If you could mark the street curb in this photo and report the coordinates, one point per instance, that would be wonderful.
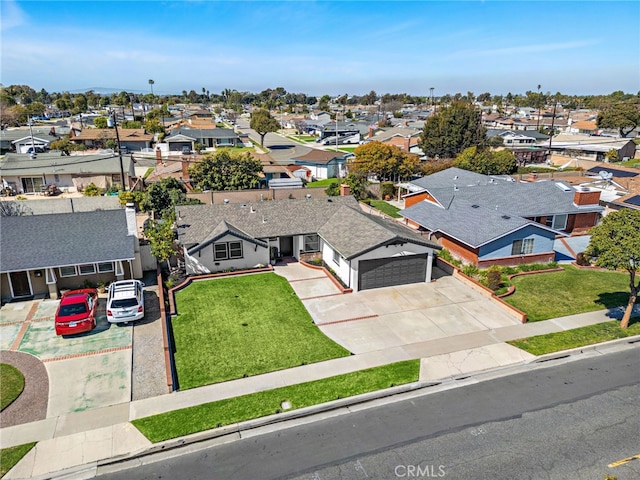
(122, 462)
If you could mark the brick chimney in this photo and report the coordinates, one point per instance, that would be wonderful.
(585, 196)
(158, 156)
(345, 190)
(370, 134)
(407, 144)
(185, 171)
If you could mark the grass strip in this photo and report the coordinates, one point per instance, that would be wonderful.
(577, 337)
(386, 208)
(323, 183)
(198, 418)
(11, 384)
(12, 455)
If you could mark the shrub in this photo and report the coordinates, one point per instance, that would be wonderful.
(582, 260)
(470, 270)
(92, 190)
(509, 270)
(494, 278)
(386, 189)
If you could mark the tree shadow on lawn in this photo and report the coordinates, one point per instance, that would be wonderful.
(616, 303)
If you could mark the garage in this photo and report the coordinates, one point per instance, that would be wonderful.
(387, 272)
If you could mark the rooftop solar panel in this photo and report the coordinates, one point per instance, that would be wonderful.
(635, 200)
(615, 171)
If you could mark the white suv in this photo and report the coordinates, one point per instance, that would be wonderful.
(125, 302)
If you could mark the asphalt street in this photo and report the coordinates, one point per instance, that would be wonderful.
(281, 149)
(566, 421)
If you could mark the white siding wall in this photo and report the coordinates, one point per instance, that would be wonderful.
(341, 270)
(202, 262)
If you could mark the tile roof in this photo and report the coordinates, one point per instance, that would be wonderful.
(126, 134)
(40, 241)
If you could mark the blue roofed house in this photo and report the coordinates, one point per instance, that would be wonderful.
(486, 220)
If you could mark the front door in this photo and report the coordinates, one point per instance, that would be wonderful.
(20, 284)
(286, 246)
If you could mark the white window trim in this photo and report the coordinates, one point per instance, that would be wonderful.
(229, 250)
(336, 257)
(75, 271)
(564, 225)
(216, 258)
(50, 276)
(111, 267)
(92, 265)
(119, 268)
(316, 240)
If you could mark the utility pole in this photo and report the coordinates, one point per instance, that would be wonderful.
(553, 121)
(115, 125)
(539, 108)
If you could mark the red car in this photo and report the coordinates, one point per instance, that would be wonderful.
(77, 311)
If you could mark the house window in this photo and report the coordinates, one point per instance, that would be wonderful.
(32, 184)
(235, 249)
(116, 179)
(87, 269)
(105, 267)
(522, 247)
(220, 251)
(557, 222)
(68, 271)
(311, 243)
(227, 251)
(336, 257)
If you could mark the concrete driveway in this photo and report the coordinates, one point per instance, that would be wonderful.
(86, 371)
(390, 317)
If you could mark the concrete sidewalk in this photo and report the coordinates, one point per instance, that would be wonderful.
(72, 440)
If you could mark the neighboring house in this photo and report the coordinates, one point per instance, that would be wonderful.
(29, 144)
(365, 251)
(488, 220)
(208, 138)
(71, 173)
(299, 172)
(583, 127)
(324, 164)
(527, 146)
(11, 140)
(135, 139)
(592, 147)
(42, 254)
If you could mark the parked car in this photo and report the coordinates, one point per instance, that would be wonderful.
(76, 312)
(125, 302)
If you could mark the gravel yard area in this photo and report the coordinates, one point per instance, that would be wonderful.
(31, 405)
(149, 378)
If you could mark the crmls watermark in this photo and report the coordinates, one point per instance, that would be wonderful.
(419, 471)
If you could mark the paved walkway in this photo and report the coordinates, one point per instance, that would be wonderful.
(70, 440)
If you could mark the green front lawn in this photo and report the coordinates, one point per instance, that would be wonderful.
(12, 455)
(558, 294)
(577, 337)
(385, 207)
(11, 384)
(323, 183)
(225, 412)
(241, 326)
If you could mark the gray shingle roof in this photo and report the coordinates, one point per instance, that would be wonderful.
(339, 220)
(222, 229)
(40, 241)
(353, 232)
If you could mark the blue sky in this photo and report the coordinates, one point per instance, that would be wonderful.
(323, 47)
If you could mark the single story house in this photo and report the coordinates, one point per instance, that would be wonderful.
(589, 147)
(208, 138)
(71, 173)
(324, 164)
(135, 139)
(365, 251)
(487, 220)
(12, 139)
(41, 254)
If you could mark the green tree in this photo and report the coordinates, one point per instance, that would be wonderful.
(161, 197)
(386, 162)
(263, 123)
(451, 130)
(615, 245)
(153, 125)
(357, 185)
(92, 190)
(66, 146)
(225, 170)
(131, 124)
(621, 116)
(487, 162)
(100, 122)
(162, 237)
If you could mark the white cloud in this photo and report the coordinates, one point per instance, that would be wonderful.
(524, 49)
(12, 16)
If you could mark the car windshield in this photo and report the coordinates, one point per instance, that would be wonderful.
(124, 303)
(72, 309)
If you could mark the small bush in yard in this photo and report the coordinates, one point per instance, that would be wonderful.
(582, 260)
(470, 270)
(494, 278)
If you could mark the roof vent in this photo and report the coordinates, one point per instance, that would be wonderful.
(475, 206)
(226, 200)
(455, 188)
(244, 205)
(308, 196)
(506, 217)
(563, 187)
